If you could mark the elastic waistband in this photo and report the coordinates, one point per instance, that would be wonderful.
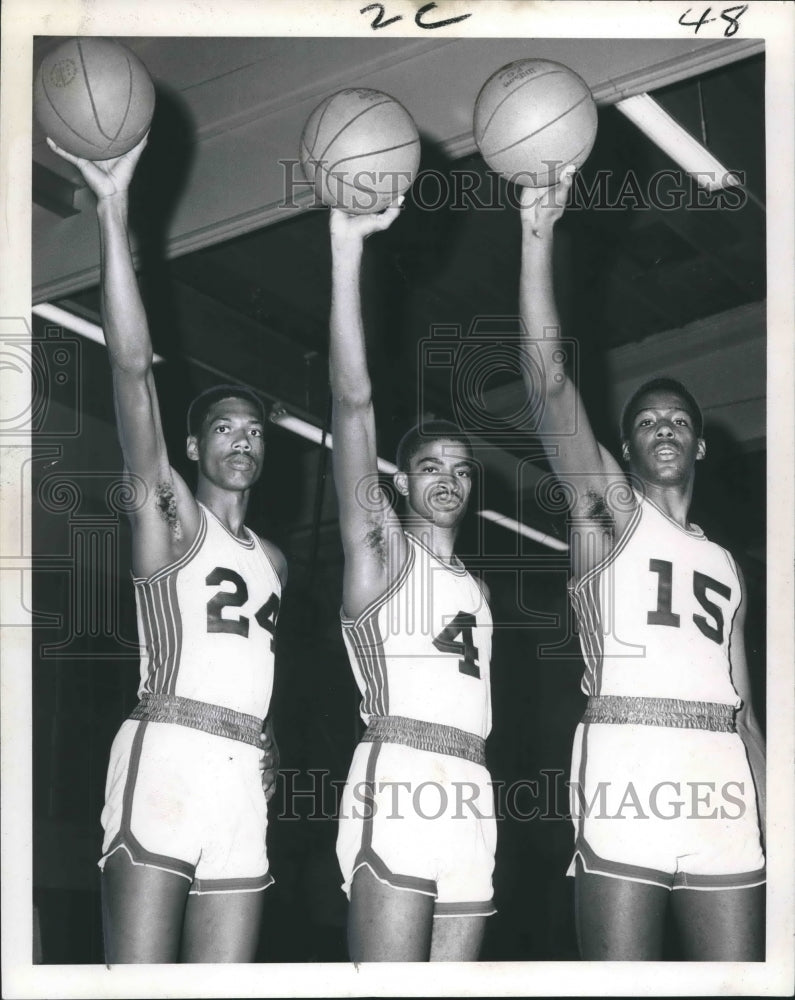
(431, 736)
(213, 719)
(673, 712)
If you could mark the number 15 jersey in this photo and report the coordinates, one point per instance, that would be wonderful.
(207, 621)
(655, 616)
(423, 648)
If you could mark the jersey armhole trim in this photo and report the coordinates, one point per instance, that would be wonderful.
(180, 563)
(575, 585)
(391, 590)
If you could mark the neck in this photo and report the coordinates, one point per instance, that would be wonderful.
(227, 505)
(441, 541)
(674, 501)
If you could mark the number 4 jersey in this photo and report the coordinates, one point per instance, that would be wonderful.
(423, 648)
(207, 622)
(655, 616)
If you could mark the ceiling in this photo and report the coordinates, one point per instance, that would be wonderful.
(237, 283)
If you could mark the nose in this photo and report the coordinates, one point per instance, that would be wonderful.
(242, 443)
(664, 430)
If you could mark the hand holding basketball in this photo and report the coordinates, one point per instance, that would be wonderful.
(542, 207)
(105, 178)
(345, 227)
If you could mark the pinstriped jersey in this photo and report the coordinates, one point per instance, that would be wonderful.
(655, 616)
(423, 648)
(206, 622)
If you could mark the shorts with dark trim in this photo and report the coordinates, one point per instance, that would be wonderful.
(422, 822)
(665, 806)
(187, 802)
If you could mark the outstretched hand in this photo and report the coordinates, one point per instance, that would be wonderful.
(542, 207)
(106, 178)
(356, 228)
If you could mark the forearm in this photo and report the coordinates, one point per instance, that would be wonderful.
(123, 316)
(538, 309)
(349, 377)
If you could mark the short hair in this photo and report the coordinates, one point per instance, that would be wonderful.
(427, 430)
(662, 384)
(200, 406)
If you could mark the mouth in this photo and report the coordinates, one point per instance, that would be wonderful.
(241, 462)
(666, 451)
(446, 498)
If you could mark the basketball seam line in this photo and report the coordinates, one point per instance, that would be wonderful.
(64, 121)
(364, 111)
(102, 132)
(532, 79)
(499, 152)
(372, 152)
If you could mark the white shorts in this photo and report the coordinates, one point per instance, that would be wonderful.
(422, 822)
(187, 802)
(667, 806)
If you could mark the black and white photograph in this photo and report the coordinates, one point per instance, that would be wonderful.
(393, 566)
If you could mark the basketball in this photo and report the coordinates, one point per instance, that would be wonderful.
(93, 97)
(532, 118)
(360, 150)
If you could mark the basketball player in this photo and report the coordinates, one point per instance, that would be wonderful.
(417, 830)
(185, 813)
(668, 772)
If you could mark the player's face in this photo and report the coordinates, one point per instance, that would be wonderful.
(663, 446)
(439, 481)
(230, 447)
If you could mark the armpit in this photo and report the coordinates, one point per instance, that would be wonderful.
(166, 503)
(594, 507)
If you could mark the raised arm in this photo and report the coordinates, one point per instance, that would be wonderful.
(372, 539)
(165, 524)
(580, 462)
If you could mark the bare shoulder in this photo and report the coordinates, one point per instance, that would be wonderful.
(276, 557)
(165, 520)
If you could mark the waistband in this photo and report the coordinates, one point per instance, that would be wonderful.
(213, 719)
(673, 712)
(431, 736)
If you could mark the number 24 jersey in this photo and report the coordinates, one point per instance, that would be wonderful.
(655, 616)
(207, 622)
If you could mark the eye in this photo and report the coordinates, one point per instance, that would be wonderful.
(221, 428)
(681, 420)
(256, 432)
(465, 473)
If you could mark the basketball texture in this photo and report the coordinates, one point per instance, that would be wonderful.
(360, 149)
(93, 97)
(532, 118)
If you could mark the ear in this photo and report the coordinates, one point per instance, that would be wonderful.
(701, 451)
(401, 481)
(192, 448)
(625, 450)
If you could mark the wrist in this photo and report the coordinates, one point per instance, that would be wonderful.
(113, 206)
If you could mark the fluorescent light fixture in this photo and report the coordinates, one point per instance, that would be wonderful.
(524, 530)
(314, 433)
(54, 314)
(663, 130)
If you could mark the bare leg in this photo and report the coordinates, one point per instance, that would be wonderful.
(457, 939)
(386, 924)
(618, 920)
(222, 927)
(142, 911)
(725, 925)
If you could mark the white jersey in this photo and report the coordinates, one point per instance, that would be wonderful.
(655, 616)
(207, 621)
(423, 648)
